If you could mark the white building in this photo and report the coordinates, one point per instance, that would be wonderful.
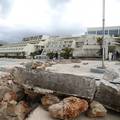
(23, 49)
(83, 46)
(109, 31)
(16, 50)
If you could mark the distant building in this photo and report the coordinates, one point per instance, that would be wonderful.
(19, 50)
(83, 46)
(111, 31)
(24, 48)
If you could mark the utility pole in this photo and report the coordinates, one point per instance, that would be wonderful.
(103, 42)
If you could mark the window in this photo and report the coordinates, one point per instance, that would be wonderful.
(113, 32)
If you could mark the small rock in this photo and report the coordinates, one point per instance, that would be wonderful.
(3, 90)
(96, 110)
(49, 100)
(42, 67)
(76, 66)
(9, 96)
(69, 108)
(85, 63)
(22, 109)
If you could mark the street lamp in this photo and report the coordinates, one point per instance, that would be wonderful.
(103, 42)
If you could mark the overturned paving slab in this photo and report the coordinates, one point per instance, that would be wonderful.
(109, 95)
(80, 86)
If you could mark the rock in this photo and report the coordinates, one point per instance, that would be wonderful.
(69, 108)
(3, 90)
(109, 95)
(22, 109)
(42, 67)
(76, 66)
(85, 63)
(75, 60)
(110, 75)
(80, 86)
(96, 110)
(7, 110)
(9, 96)
(49, 100)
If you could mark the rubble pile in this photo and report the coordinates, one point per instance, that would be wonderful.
(38, 65)
(25, 89)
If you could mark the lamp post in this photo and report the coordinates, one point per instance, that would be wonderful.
(103, 42)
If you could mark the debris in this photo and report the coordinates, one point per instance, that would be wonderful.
(96, 110)
(22, 109)
(76, 66)
(3, 90)
(49, 100)
(80, 86)
(110, 75)
(69, 108)
(109, 95)
(9, 96)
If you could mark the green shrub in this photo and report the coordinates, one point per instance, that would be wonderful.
(66, 53)
(51, 55)
(111, 48)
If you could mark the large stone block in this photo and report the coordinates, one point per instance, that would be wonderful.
(109, 95)
(80, 86)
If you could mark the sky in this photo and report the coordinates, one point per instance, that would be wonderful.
(22, 18)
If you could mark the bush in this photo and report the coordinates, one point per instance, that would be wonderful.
(111, 48)
(66, 53)
(51, 55)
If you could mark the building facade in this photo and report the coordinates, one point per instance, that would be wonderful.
(83, 46)
(24, 48)
(109, 31)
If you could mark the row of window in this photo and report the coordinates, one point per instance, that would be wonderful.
(115, 32)
(11, 48)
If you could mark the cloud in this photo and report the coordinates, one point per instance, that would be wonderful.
(5, 7)
(54, 17)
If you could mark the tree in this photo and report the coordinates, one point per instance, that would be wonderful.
(100, 41)
(66, 53)
(51, 55)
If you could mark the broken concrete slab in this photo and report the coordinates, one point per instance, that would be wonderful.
(109, 95)
(110, 75)
(80, 86)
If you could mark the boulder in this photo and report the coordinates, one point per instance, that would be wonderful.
(69, 108)
(110, 75)
(80, 86)
(96, 110)
(109, 95)
(49, 100)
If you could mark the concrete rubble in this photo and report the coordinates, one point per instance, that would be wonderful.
(110, 75)
(81, 86)
(49, 100)
(69, 108)
(96, 110)
(109, 95)
(65, 96)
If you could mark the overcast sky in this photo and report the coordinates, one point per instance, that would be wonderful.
(20, 18)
